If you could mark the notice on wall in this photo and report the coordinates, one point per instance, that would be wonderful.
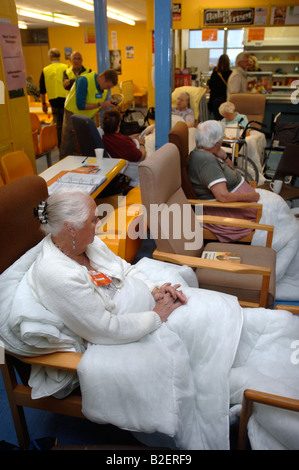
(10, 39)
(15, 72)
(256, 34)
(209, 34)
(13, 60)
(260, 16)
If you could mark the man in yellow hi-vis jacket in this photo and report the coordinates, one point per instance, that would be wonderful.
(74, 71)
(51, 83)
(88, 95)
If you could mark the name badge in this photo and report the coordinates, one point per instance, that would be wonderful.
(100, 279)
(98, 95)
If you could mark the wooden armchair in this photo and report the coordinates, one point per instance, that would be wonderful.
(161, 192)
(21, 231)
(179, 136)
(254, 396)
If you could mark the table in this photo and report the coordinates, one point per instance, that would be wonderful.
(110, 167)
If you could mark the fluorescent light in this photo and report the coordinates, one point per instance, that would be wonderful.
(35, 14)
(120, 17)
(22, 25)
(62, 19)
(80, 4)
(46, 16)
(88, 5)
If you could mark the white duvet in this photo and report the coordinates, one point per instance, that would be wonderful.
(276, 212)
(180, 380)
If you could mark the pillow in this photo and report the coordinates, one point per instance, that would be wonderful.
(195, 94)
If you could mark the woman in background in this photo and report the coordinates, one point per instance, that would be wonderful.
(218, 84)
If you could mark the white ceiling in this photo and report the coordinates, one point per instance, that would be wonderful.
(133, 8)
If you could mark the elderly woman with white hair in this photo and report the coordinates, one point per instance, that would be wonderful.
(255, 140)
(231, 118)
(183, 109)
(213, 177)
(79, 279)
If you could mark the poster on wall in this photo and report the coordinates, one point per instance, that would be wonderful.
(129, 52)
(115, 60)
(229, 16)
(13, 60)
(89, 35)
(176, 12)
(284, 15)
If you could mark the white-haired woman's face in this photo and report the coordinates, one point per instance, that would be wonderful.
(86, 234)
(228, 116)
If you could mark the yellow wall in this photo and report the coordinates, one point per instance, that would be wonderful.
(132, 69)
(15, 128)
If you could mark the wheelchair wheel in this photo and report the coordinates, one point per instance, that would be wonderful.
(251, 172)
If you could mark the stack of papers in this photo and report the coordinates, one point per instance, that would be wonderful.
(87, 177)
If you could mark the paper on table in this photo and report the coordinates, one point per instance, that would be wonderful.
(89, 181)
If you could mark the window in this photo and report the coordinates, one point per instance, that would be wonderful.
(228, 42)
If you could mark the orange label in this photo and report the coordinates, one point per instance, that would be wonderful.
(100, 279)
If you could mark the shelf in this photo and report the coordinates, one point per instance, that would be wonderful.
(289, 62)
(265, 51)
(285, 75)
(282, 87)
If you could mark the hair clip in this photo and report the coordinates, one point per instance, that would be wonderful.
(40, 212)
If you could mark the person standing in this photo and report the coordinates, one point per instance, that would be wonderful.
(88, 96)
(74, 71)
(237, 82)
(218, 85)
(51, 83)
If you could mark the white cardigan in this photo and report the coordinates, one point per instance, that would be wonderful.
(65, 288)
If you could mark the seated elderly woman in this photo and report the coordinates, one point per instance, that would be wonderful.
(131, 148)
(154, 358)
(213, 177)
(232, 119)
(255, 140)
(183, 109)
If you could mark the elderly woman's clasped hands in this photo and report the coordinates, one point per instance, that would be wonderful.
(168, 298)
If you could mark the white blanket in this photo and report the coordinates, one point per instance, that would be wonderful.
(177, 380)
(276, 212)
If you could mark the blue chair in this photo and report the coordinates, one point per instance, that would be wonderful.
(87, 135)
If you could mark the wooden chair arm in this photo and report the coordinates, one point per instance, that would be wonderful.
(251, 396)
(290, 308)
(225, 266)
(232, 222)
(230, 205)
(59, 360)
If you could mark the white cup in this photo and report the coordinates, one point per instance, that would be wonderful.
(276, 186)
(99, 155)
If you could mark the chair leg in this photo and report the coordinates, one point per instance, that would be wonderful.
(49, 159)
(18, 416)
(247, 407)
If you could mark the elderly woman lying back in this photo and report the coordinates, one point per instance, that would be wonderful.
(155, 351)
(88, 279)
